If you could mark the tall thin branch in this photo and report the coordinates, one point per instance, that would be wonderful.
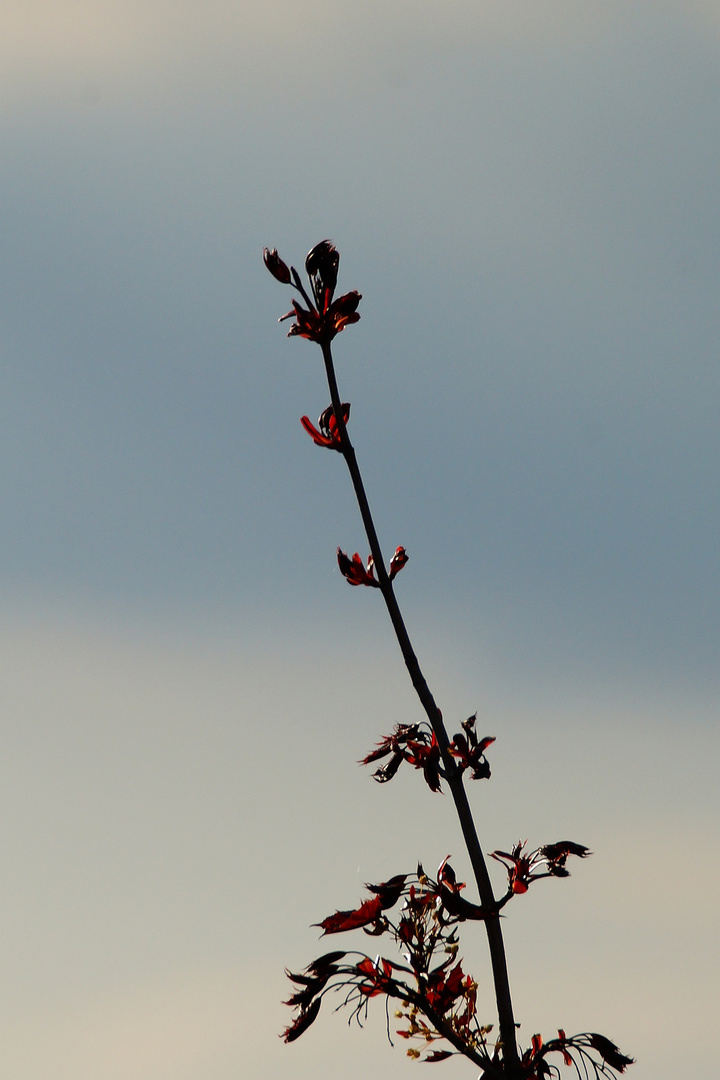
(453, 775)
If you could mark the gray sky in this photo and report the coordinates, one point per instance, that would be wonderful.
(526, 195)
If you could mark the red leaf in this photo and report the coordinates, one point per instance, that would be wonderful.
(301, 1022)
(562, 849)
(382, 750)
(609, 1052)
(353, 570)
(389, 892)
(386, 772)
(317, 437)
(351, 920)
(325, 961)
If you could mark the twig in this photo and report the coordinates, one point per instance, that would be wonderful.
(452, 773)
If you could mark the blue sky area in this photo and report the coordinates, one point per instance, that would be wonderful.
(526, 194)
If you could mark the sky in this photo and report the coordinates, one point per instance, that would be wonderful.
(526, 195)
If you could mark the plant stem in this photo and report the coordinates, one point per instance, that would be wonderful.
(452, 773)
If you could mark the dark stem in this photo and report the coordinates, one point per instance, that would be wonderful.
(297, 282)
(480, 1058)
(453, 775)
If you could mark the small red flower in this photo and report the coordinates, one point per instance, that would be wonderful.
(328, 435)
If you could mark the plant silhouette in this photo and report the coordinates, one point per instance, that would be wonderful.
(422, 915)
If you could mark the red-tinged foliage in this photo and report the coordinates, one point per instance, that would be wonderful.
(447, 878)
(576, 1052)
(353, 570)
(556, 855)
(314, 979)
(562, 1039)
(412, 743)
(326, 961)
(469, 751)
(328, 434)
(453, 903)
(386, 895)
(386, 772)
(312, 987)
(395, 744)
(549, 861)
(399, 559)
(443, 988)
(344, 311)
(389, 892)
(391, 744)
(368, 912)
(457, 907)
(378, 974)
(319, 328)
(301, 1022)
(609, 1052)
(322, 319)
(438, 1000)
(518, 867)
(322, 328)
(426, 757)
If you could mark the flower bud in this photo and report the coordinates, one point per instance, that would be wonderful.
(399, 559)
(322, 269)
(276, 266)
